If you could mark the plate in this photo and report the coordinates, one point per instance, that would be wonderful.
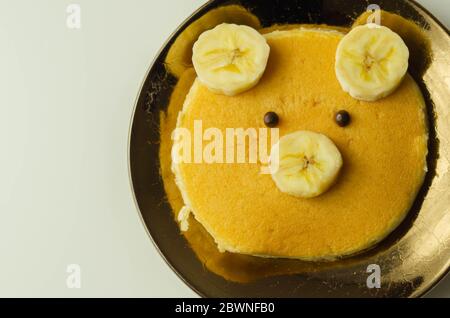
(411, 260)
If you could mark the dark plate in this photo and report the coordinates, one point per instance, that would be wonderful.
(413, 259)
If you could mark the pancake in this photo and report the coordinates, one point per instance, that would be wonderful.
(384, 151)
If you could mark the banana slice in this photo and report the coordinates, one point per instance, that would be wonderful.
(230, 58)
(371, 62)
(305, 164)
(179, 56)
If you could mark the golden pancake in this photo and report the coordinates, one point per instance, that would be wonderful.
(384, 151)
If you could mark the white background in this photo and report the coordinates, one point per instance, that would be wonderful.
(66, 99)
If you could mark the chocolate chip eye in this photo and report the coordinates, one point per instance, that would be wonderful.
(271, 119)
(342, 118)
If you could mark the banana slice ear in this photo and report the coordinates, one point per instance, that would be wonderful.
(416, 40)
(230, 58)
(371, 62)
(179, 57)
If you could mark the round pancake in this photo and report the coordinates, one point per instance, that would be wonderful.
(384, 151)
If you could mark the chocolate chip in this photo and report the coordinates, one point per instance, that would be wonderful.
(342, 118)
(271, 119)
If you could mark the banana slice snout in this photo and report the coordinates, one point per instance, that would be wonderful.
(371, 61)
(305, 164)
(230, 58)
